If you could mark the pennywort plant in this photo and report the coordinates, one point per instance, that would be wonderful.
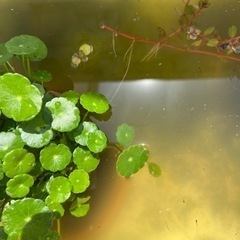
(50, 145)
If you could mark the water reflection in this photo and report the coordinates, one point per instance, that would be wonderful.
(192, 129)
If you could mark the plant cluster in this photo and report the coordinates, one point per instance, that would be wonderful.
(203, 41)
(50, 145)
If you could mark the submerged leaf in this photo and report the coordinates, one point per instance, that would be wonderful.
(94, 102)
(212, 42)
(209, 31)
(25, 98)
(154, 169)
(41, 76)
(131, 160)
(232, 31)
(66, 115)
(125, 134)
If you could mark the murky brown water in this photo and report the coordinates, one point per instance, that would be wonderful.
(186, 108)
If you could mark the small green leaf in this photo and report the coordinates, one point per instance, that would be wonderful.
(125, 134)
(209, 31)
(55, 157)
(81, 210)
(66, 115)
(5, 56)
(197, 43)
(80, 180)
(18, 161)
(41, 76)
(94, 102)
(154, 169)
(79, 207)
(36, 133)
(8, 142)
(189, 9)
(131, 160)
(25, 99)
(18, 187)
(60, 189)
(55, 206)
(71, 95)
(212, 42)
(85, 160)
(97, 141)
(232, 31)
(20, 213)
(81, 133)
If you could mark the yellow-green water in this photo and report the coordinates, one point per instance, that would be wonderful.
(185, 107)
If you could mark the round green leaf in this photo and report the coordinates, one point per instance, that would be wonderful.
(154, 169)
(36, 133)
(55, 206)
(125, 134)
(41, 76)
(80, 180)
(80, 210)
(8, 142)
(18, 161)
(94, 102)
(5, 56)
(20, 100)
(85, 160)
(71, 95)
(20, 213)
(66, 115)
(131, 160)
(22, 45)
(81, 133)
(55, 157)
(97, 141)
(18, 187)
(60, 189)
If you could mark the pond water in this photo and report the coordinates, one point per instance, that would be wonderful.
(184, 106)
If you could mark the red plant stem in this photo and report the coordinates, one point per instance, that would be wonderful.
(163, 44)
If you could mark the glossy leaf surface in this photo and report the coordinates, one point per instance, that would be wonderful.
(125, 134)
(94, 102)
(80, 180)
(66, 115)
(55, 157)
(25, 99)
(18, 187)
(18, 161)
(131, 160)
(85, 160)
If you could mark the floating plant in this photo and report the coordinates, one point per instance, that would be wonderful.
(50, 145)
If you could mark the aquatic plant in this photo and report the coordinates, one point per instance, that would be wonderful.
(206, 41)
(50, 146)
